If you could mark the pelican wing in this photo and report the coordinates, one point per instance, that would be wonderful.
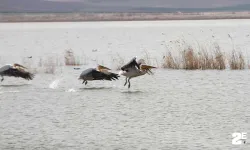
(4, 68)
(97, 75)
(132, 63)
(16, 72)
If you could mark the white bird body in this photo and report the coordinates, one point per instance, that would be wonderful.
(134, 69)
(132, 72)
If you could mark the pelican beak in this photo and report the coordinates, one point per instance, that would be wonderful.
(103, 67)
(20, 66)
(146, 67)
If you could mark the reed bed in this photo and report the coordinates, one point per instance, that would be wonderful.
(237, 61)
(49, 64)
(70, 59)
(190, 59)
(181, 57)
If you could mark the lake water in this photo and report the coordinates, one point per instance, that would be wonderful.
(173, 109)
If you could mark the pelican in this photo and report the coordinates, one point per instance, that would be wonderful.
(135, 69)
(98, 73)
(15, 70)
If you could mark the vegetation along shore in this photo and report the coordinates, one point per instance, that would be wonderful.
(73, 17)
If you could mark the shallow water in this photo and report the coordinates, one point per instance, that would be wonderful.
(173, 109)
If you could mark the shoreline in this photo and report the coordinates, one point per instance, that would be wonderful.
(96, 17)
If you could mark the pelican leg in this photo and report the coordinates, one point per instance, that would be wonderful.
(83, 81)
(2, 79)
(86, 82)
(126, 81)
(151, 72)
(129, 82)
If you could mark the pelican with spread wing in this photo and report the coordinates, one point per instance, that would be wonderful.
(134, 69)
(98, 73)
(15, 70)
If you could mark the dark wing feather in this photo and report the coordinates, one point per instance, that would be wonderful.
(97, 75)
(130, 64)
(102, 76)
(86, 73)
(19, 73)
(114, 76)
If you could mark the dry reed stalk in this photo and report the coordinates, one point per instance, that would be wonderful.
(119, 61)
(192, 60)
(237, 61)
(170, 62)
(40, 63)
(70, 59)
(219, 60)
(206, 60)
(49, 65)
(149, 60)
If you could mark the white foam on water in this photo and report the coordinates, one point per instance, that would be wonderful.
(71, 90)
(54, 84)
(2, 92)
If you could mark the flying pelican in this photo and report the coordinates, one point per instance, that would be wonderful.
(134, 69)
(98, 73)
(15, 70)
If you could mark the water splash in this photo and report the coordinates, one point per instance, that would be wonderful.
(71, 90)
(54, 84)
(2, 92)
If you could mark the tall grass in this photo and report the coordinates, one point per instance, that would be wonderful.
(149, 60)
(219, 62)
(118, 61)
(70, 59)
(49, 65)
(189, 59)
(237, 61)
(171, 62)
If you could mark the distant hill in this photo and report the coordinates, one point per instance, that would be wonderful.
(49, 6)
